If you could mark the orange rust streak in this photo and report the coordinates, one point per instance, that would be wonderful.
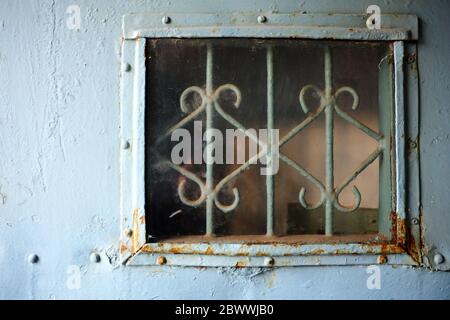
(123, 247)
(413, 250)
(135, 234)
(241, 264)
(293, 240)
(383, 249)
(209, 251)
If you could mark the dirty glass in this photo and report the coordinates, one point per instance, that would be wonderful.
(330, 101)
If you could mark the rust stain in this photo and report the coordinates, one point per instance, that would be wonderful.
(398, 229)
(161, 260)
(401, 232)
(374, 248)
(317, 251)
(135, 233)
(123, 247)
(377, 245)
(269, 279)
(382, 259)
(241, 264)
(414, 246)
(242, 254)
(175, 250)
(393, 218)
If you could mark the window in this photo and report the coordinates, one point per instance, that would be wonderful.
(336, 105)
(295, 72)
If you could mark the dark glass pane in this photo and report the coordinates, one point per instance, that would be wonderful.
(173, 65)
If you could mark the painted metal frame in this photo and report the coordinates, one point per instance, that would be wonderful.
(134, 247)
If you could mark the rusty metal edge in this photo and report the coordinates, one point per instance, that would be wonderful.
(313, 26)
(196, 260)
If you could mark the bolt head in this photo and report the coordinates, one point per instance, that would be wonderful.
(33, 258)
(127, 67)
(161, 260)
(382, 259)
(262, 19)
(438, 258)
(125, 144)
(166, 20)
(127, 232)
(95, 257)
(269, 261)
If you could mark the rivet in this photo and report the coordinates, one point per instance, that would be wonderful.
(127, 67)
(269, 261)
(127, 232)
(438, 258)
(415, 221)
(161, 260)
(382, 259)
(33, 258)
(95, 257)
(166, 20)
(262, 19)
(413, 145)
(125, 144)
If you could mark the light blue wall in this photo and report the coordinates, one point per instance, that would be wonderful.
(59, 160)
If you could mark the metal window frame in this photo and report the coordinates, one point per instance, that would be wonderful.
(134, 247)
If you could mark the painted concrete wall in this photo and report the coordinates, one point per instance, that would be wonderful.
(59, 161)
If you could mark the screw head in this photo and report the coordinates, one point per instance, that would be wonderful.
(262, 19)
(438, 258)
(128, 232)
(382, 259)
(127, 67)
(269, 261)
(95, 257)
(415, 221)
(161, 260)
(33, 258)
(166, 20)
(125, 144)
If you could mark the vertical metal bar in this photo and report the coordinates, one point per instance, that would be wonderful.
(413, 200)
(138, 149)
(386, 127)
(329, 162)
(209, 124)
(270, 124)
(399, 129)
(126, 157)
